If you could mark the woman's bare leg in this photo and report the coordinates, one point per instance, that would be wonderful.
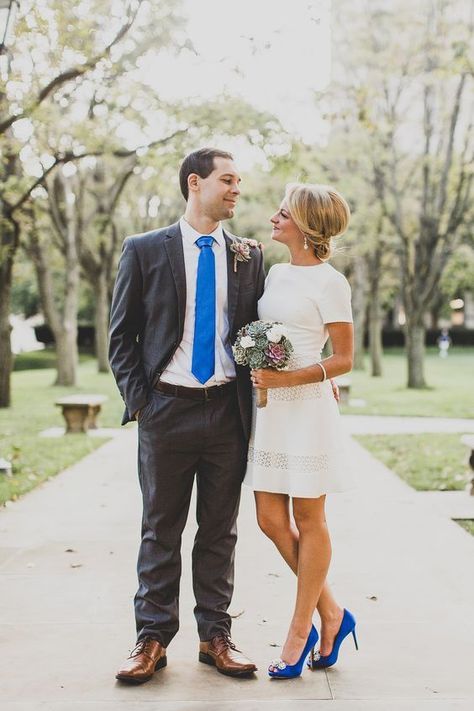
(331, 617)
(273, 515)
(314, 556)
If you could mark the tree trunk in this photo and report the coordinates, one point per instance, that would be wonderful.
(375, 310)
(435, 309)
(102, 323)
(67, 355)
(359, 306)
(66, 336)
(63, 322)
(375, 336)
(9, 240)
(63, 325)
(6, 360)
(415, 347)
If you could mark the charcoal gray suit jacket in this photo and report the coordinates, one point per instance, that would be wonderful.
(148, 308)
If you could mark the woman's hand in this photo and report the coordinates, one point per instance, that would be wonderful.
(335, 390)
(270, 378)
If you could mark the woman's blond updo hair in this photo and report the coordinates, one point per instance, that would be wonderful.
(320, 212)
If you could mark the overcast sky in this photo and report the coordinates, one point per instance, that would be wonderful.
(274, 53)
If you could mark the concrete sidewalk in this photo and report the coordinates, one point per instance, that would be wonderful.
(67, 567)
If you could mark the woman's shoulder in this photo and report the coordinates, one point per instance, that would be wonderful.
(275, 269)
(276, 266)
(336, 277)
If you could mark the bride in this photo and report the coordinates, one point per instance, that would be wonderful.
(296, 446)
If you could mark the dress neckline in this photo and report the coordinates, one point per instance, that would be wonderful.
(305, 266)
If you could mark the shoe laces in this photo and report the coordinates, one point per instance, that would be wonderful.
(141, 647)
(226, 639)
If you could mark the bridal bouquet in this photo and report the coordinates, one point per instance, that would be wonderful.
(262, 344)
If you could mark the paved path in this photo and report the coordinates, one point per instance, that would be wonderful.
(67, 578)
(374, 424)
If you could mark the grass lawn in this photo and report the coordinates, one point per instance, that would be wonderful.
(41, 359)
(35, 458)
(467, 524)
(450, 392)
(425, 461)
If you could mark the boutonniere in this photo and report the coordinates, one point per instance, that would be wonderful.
(241, 250)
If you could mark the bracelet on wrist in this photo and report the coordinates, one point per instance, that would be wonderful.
(324, 372)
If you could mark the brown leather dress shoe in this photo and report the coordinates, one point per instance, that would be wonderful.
(147, 657)
(221, 652)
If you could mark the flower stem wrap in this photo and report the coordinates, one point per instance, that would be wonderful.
(262, 394)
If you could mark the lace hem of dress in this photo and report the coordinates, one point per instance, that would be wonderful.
(303, 463)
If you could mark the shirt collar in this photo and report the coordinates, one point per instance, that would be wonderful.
(190, 235)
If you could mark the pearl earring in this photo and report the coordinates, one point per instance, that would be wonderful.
(305, 246)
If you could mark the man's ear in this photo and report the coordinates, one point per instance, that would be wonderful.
(193, 182)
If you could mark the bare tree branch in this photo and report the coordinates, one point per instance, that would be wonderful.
(73, 72)
(70, 157)
(442, 196)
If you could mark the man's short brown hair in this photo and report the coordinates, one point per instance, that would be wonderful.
(200, 162)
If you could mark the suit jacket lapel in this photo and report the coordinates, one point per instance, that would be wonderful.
(232, 283)
(174, 248)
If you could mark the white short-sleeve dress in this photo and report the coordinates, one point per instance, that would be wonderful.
(297, 446)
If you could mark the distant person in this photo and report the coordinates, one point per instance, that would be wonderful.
(296, 446)
(444, 341)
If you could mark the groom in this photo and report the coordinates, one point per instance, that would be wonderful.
(181, 294)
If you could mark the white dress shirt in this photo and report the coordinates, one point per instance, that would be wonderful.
(178, 370)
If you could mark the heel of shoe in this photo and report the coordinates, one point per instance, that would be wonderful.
(162, 662)
(206, 659)
(355, 639)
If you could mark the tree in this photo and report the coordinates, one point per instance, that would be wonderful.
(408, 86)
(99, 243)
(63, 61)
(62, 317)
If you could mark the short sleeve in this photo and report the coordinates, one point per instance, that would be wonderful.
(334, 301)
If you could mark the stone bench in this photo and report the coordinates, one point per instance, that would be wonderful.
(5, 467)
(80, 411)
(468, 440)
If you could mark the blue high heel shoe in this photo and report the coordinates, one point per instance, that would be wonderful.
(280, 670)
(348, 624)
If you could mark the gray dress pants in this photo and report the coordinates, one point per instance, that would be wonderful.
(180, 439)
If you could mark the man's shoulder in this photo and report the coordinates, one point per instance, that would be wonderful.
(152, 237)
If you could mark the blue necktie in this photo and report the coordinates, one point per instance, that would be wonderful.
(205, 313)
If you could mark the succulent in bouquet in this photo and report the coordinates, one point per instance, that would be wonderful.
(262, 344)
